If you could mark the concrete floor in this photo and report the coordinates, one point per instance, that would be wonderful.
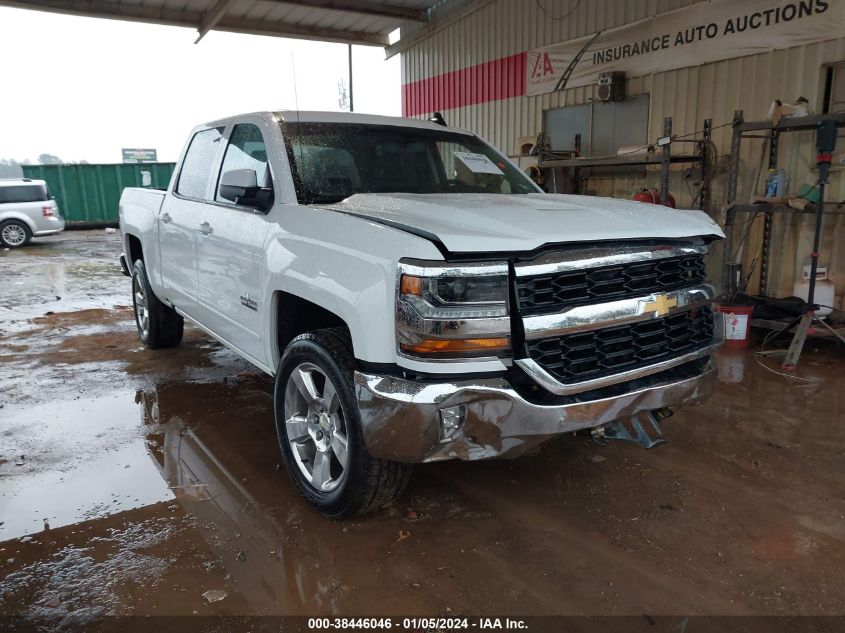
(133, 481)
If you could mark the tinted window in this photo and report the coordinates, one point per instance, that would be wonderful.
(246, 150)
(336, 160)
(24, 193)
(198, 164)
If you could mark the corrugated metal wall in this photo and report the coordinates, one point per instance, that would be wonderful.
(90, 193)
(689, 95)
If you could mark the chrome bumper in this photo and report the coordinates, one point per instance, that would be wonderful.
(401, 418)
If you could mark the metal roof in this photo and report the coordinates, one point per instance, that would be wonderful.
(346, 21)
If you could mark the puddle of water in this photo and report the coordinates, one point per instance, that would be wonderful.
(81, 459)
(75, 271)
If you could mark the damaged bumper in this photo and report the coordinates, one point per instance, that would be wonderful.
(401, 419)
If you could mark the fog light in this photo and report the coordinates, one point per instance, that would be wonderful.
(451, 421)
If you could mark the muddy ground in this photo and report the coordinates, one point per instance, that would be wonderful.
(134, 481)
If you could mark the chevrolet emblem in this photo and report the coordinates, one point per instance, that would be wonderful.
(661, 305)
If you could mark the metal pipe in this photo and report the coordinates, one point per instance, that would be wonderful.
(351, 106)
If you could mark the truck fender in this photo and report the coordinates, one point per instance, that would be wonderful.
(352, 277)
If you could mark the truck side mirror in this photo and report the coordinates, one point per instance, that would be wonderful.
(239, 183)
(241, 187)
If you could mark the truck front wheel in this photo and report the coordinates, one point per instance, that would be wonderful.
(158, 325)
(319, 429)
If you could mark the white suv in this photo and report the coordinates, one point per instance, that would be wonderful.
(27, 209)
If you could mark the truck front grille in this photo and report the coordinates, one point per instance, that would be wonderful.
(558, 291)
(580, 356)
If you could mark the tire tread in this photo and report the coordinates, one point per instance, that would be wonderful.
(166, 325)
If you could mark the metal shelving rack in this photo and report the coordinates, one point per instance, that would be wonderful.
(665, 158)
(743, 129)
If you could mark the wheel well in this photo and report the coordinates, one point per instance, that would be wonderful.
(297, 316)
(135, 250)
(23, 220)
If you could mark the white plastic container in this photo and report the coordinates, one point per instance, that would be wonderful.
(825, 293)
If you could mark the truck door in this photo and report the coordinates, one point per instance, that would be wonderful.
(181, 219)
(231, 251)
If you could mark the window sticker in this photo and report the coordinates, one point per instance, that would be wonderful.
(478, 163)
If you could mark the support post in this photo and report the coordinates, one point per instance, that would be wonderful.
(665, 162)
(766, 247)
(730, 215)
(704, 194)
(351, 102)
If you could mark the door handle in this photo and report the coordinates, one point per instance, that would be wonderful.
(165, 217)
(205, 228)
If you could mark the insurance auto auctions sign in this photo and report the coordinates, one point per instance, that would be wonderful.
(701, 33)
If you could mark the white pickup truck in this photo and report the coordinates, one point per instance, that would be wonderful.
(416, 296)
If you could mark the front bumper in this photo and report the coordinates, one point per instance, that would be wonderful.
(401, 418)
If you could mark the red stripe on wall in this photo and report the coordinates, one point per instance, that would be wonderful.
(491, 81)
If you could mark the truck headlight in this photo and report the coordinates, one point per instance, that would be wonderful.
(451, 311)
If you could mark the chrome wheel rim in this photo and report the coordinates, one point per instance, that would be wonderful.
(142, 310)
(315, 427)
(14, 234)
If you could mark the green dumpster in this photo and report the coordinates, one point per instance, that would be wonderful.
(89, 194)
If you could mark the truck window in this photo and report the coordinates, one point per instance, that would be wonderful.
(333, 161)
(24, 193)
(198, 164)
(246, 150)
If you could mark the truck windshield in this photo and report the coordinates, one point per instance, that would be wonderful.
(333, 161)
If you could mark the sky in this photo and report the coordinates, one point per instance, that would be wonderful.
(83, 88)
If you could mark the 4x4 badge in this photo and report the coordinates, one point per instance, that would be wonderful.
(249, 302)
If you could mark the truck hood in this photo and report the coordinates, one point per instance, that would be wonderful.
(467, 223)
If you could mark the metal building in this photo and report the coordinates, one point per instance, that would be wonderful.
(476, 68)
(497, 67)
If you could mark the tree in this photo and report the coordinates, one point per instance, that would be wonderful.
(10, 168)
(49, 159)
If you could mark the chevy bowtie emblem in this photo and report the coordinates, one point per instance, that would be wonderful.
(661, 305)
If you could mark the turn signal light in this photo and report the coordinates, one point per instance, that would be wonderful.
(452, 346)
(411, 285)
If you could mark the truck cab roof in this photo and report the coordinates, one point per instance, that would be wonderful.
(316, 116)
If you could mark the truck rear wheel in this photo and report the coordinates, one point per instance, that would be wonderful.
(319, 430)
(158, 325)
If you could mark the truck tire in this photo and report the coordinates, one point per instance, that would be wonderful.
(14, 234)
(319, 429)
(158, 325)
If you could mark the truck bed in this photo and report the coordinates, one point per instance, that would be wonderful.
(140, 206)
